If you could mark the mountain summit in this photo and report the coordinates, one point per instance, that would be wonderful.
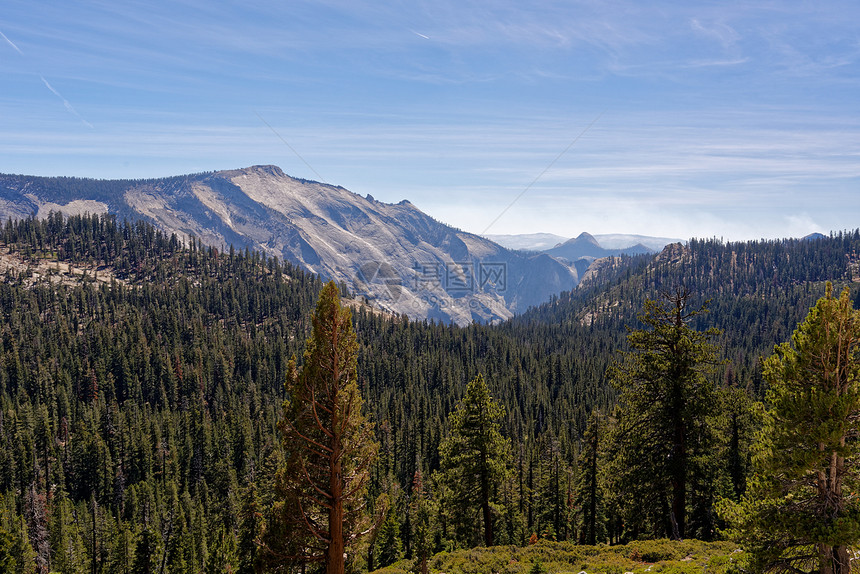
(395, 256)
(586, 246)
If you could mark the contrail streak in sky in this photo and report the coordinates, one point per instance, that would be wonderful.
(11, 43)
(65, 102)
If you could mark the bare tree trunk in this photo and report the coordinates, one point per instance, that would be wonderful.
(679, 482)
(833, 559)
(591, 519)
(335, 560)
(841, 560)
(488, 515)
(485, 502)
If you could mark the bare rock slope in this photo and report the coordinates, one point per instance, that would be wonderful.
(398, 258)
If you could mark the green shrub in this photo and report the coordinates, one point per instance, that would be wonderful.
(548, 557)
(656, 550)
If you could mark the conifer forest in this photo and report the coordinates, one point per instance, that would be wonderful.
(168, 407)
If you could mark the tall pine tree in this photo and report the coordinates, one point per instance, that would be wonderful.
(329, 448)
(589, 487)
(475, 461)
(662, 429)
(421, 516)
(801, 512)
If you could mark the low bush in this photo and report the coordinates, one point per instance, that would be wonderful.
(651, 556)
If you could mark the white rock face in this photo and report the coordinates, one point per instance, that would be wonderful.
(393, 255)
(76, 207)
(396, 256)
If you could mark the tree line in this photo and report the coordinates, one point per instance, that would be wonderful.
(140, 414)
(658, 471)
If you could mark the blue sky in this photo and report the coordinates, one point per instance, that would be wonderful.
(686, 119)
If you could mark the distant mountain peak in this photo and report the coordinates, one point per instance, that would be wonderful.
(584, 237)
(813, 236)
(616, 242)
(586, 246)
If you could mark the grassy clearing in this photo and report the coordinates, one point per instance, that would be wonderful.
(664, 556)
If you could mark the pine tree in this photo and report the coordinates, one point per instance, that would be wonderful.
(801, 512)
(37, 518)
(223, 556)
(740, 426)
(329, 448)
(249, 525)
(147, 552)
(421, 516)
(7, 560)
(662, 429)
(388, 542)
(475, 461)
(25, 555)
(589, 487)
(67, 552)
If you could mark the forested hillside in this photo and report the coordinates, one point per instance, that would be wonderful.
(138, 398)
(142, 383)
(758, 291)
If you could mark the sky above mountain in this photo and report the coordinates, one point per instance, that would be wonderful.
(685, 119)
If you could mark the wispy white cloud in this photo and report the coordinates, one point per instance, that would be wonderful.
(719, 115)
(723, 33)
(716, 63)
